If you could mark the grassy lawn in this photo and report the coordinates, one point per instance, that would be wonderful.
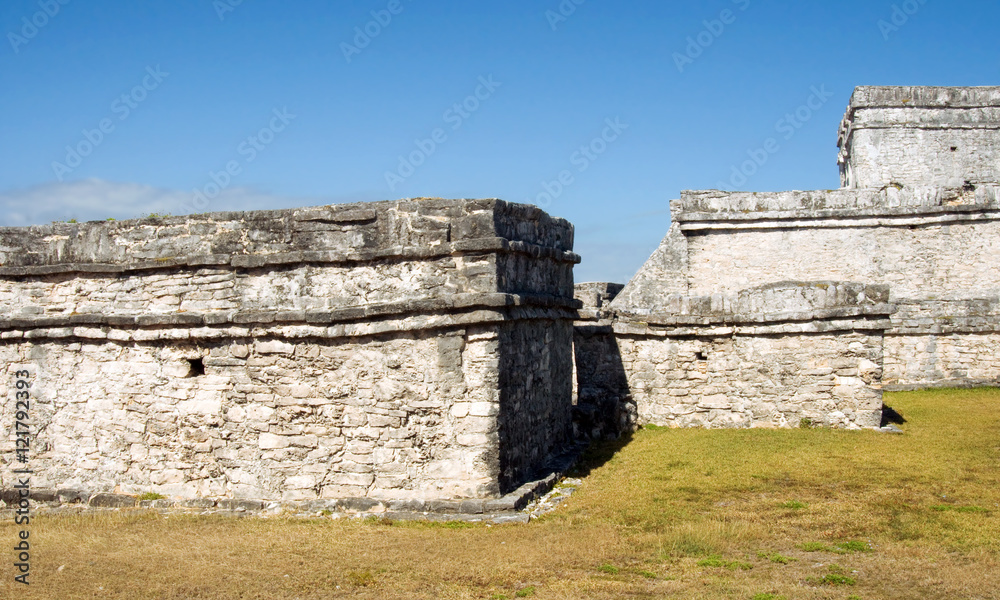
(752, 514)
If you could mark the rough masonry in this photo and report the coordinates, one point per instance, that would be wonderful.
(910, 243)
(406, 350)
(434, 352)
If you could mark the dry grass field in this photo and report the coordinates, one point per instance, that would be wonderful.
(753, 514)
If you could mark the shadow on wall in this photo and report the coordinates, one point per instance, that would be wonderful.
(604, 407)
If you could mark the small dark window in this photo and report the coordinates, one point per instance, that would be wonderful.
(701, 356)
(197, 367)
(954, 148)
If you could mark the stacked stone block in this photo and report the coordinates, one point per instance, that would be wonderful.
(940, 136)
(331, 352)
(781, 355)
(919, 212)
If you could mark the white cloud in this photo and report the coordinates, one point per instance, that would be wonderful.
(96, 199)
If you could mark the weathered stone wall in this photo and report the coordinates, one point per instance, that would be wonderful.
(665, 272)
(948, 360)
(935, 247)
(756, 381)
(944, 341)
(343, 351)
(919, 241)
(766, 357)
(268, 420)
(920, 136)
(534, 417)
(603, 402)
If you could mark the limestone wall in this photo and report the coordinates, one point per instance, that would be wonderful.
(934, 247)
(755, 381)
(766, 357)
(344, 351)
(604, 406)
(920, 136)
(919, 241)
(948, 360)
(268, 420)
(534, 418)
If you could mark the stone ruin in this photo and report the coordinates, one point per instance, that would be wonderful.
(403, 350)
(762, 309)
(436, 351)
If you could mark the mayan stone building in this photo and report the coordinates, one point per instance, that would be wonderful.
(431, 352)
(761, 309)
(405, 350)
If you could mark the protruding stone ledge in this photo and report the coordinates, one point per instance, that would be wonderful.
(890, 206)
(294, 331)
(255, 261)
(912, 96)
(790, 328)
(370, 312)
(788, 307)
(780, 301)
(416, 229)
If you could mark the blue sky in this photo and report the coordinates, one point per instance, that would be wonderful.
(599, 111)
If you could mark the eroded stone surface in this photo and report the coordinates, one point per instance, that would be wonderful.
(919, 215)
(412, 350)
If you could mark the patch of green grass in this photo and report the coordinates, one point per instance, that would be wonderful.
(151, 496)
(769, 597)
(609, 569)
(711, 561)
(716, 561)
(794, 505)
(452, 525)
(854, 546)
(814, 547)
(525, 592)
(805, 423)
(776, 557)
(647, 574)
(834, 579)
(839, 548)
(836, 576)
(458, 525)
(499, 597)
